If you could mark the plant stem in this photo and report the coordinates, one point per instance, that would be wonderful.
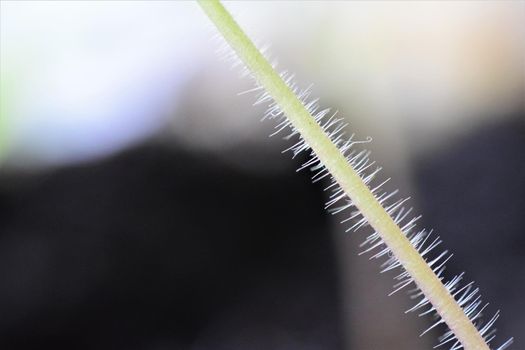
(346, 176)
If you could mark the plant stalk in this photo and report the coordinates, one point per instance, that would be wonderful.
(346, 177)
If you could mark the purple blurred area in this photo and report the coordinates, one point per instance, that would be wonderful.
(83, 80)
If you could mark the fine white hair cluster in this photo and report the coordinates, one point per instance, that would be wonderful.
(424, 241)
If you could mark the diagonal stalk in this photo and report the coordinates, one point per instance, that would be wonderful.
(332, 158)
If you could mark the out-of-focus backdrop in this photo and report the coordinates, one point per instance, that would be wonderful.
(143, 206)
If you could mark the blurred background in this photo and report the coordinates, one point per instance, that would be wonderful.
(143, 206)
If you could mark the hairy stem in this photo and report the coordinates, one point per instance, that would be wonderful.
(347, 178)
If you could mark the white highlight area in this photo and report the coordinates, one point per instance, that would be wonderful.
(83, 79)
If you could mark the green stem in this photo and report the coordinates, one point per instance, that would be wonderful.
(346, 177)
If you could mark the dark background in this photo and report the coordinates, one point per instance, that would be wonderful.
(160, 248)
